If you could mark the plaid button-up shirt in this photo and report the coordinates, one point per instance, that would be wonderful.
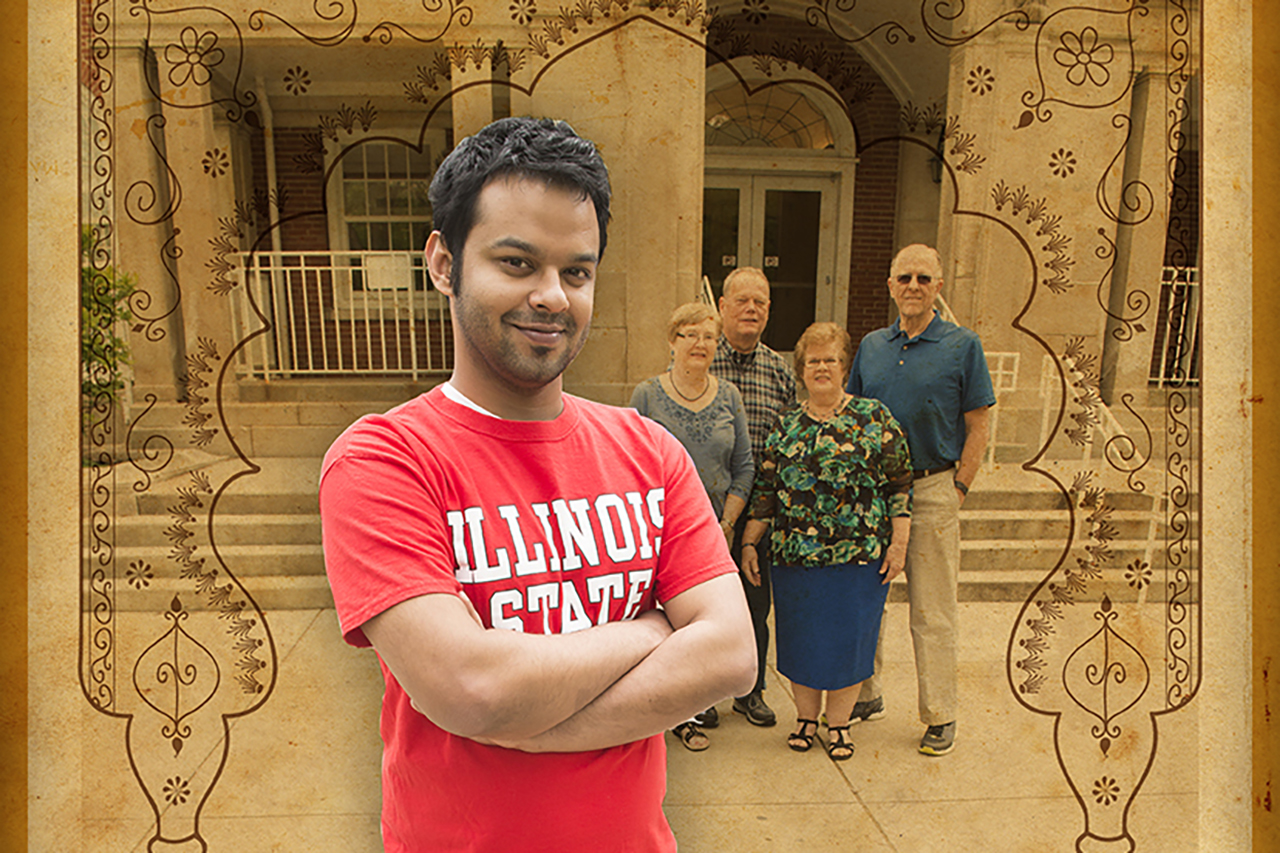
(765, 381)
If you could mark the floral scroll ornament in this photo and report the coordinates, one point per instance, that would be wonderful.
(981, 80)
(522, 11)
(215, 162)
(297, 80)
(139, 574)
(1106, 791)
(1076, 67)
(1084, 58)
(193, 57)
(755, 11)
(1062, 162)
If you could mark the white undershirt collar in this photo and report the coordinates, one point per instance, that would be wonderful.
(461, 399)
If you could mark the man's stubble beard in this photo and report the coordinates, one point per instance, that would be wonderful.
(495, 347)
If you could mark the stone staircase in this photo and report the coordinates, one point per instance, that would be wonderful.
(267, 532)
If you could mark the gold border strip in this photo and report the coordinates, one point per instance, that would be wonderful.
(14, 475)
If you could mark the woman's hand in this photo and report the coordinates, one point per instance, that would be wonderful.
(751, 564)
(895, 560)
(726, 527)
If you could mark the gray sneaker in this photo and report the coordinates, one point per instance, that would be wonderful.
(870, 710)
(939, 740)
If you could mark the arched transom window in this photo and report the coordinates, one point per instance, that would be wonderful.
(773, 117)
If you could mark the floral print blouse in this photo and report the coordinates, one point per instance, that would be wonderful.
(830, 487)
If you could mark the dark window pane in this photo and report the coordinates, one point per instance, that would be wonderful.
(376, 160)
(397, 161)
(377, 198)
(379, 237)
(399, 198)
(719, 234)
(791, 225)
(421, 230)
(357, 235)
(400, 236)
(353, 200)
(353, 164)
(419, 205)
(420, 163)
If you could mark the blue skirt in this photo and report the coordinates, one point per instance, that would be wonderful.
(827, 622)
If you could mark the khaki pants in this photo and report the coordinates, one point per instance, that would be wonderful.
(933, 569)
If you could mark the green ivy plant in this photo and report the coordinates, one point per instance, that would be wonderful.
(104, 306)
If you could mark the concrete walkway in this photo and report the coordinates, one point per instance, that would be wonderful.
(303, 771)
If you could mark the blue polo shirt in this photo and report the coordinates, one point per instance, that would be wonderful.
(928, 382)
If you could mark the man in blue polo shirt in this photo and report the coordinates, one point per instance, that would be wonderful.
(933, 377)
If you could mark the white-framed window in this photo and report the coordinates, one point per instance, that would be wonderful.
(384, 208)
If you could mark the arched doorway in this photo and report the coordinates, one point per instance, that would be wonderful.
(778, 192)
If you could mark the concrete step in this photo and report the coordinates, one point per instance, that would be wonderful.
(1020, 585)
(288, 428)
(298, 592)
(1001, 555)
(297, 528)
(1046, 524)
(984, 498)
(244, 561)
(231, 504)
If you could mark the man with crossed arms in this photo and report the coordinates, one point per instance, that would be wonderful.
(504, 546)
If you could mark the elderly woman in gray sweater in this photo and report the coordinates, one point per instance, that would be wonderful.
(708, 418)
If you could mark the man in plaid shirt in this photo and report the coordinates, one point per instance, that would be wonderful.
(767, 385)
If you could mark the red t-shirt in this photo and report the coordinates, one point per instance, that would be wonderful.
(550, 527)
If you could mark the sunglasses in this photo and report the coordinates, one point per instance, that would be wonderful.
(905, 278)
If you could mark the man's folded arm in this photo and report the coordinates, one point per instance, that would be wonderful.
(493, 684)
(710, 656)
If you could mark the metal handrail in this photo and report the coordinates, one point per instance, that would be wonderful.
(338, 313)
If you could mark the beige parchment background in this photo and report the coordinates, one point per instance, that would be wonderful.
(38, 630)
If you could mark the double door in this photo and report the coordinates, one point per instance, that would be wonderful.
(785, 225)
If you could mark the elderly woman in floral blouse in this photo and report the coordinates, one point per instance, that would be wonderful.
(835, 481)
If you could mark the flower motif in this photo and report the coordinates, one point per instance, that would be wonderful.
(1138, 574)
(981, 80)
(1084, 58)
(215, 162)
(1062, 162)
(193, 57)
(176, 791)
(522, 11)
(1106, 791)
(756, 11)
(297, 80)
(139, 574)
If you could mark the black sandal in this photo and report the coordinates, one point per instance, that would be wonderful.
(692, 737)
(841, 743)
(798, 740)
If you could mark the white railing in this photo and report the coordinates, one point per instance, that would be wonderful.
(339, 313)
(1175, 358)
(1003, 367)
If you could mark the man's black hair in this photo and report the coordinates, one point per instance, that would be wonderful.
(543, 149)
